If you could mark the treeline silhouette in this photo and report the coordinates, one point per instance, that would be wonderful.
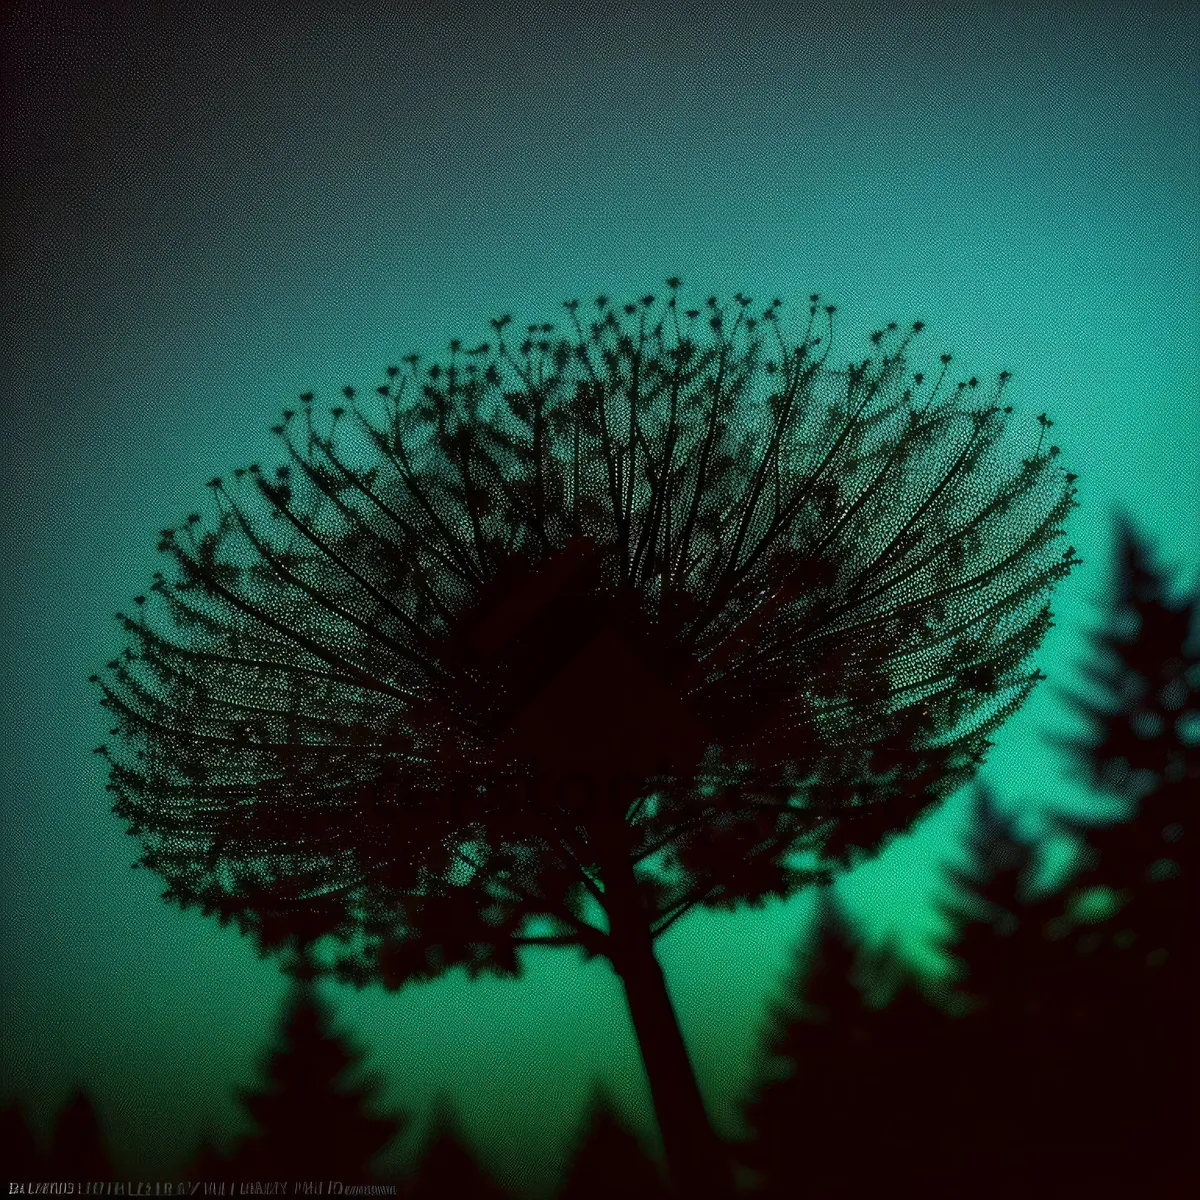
(1062, 1061)
(1058, 1061)
(77, 1147)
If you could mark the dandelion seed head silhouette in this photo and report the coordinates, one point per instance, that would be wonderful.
(656, 587)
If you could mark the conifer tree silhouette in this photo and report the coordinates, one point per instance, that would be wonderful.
(913, 1130)
(20, 1158)
(1064, 1075)
(609, 1160)
(811, 1111)
(1004, 933)
(209, 1162)
(311, 1122)
(1036, 1014)
(810, 1029)
(448, 1168)
(861, 1091)
(1076, 1045)
(560, 639)
(927, 1095)
(1142, 747)
(77, 1144)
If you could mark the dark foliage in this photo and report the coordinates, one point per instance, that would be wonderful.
(1085, 1039)
(1089, 1020)
(1051, 1081)
(20, 1158)
(852, 1098)
(610, 1160)
(1006, 939)
(1141, 746)
(77, 1145)
(448, 1168)
(1034, 1034)
(77, 1149)
(1070, 1067)
(210, 1162)
(310, 1122)
(563, 637)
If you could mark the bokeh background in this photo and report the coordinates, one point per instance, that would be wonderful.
(211, 207)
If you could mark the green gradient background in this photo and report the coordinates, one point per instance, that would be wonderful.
(210, 212)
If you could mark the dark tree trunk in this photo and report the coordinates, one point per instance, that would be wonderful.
(697, 1160)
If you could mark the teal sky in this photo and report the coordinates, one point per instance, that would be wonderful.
(212, 210)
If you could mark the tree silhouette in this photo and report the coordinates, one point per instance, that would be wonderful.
(447, 1167)
(1069, 1068)
(1033, 1035)
(1142, 747)
(1078, 1042)
(310, 1122)
(1004, 934)
(810, 1031)
(210, 1162)
(1043, 1077)
(609, 1160)
(77, 1145)
(560, 639)
(20, 1158)
(853, 1096)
